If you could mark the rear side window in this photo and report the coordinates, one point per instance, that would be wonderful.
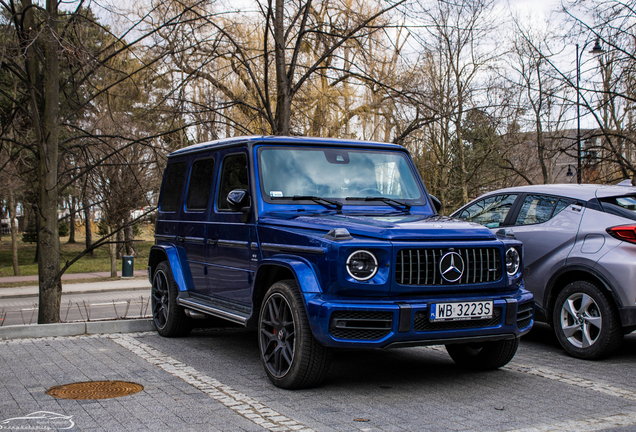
(491, 211)
(200, 184)
(539, 208)
(233, 176)
(623, 206)
(172, 185)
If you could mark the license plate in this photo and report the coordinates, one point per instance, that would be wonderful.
(461, 311)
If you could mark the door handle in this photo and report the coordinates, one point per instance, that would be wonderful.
(212, 241)
(181, 239)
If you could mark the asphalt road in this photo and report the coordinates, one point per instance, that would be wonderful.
(79, 307)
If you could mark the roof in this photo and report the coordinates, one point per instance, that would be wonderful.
(576, 191)
(287, 140)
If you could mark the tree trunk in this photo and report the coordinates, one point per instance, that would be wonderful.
(283, 90)
(88, 220)
(120, 244)
(113, 255)
(72, 219)
(14, 234)
(47, 129)
(36, 217)
(131, 249)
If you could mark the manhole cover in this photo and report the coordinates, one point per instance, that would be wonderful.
(94, 390)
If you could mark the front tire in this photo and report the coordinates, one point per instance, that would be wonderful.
(586, 322)
(485, 355)
(290, 354)
(167, 315)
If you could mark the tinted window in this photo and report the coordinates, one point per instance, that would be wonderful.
(234, 176)
(624, 206)
(491, 211)
(172, 185)
(537, 209)
(200, 184)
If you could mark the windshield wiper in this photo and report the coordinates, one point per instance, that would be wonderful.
(389, 201)
(318, 200)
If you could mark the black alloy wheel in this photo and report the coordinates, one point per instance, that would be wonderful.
(290, 354)
(278, 335)
(168, 317)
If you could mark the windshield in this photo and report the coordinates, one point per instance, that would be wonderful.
(624, 206)
(337, 174)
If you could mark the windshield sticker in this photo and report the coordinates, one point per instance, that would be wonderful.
(276, 194)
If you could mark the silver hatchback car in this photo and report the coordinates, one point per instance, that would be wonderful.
(579, 257)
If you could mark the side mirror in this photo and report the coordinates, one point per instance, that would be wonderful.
(239, 200)
(437, 203)
(506, 233)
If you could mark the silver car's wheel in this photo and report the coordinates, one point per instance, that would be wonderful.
(581, 320)
(586, 321)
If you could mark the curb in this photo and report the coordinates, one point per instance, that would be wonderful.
(75, 329)
(95, 291)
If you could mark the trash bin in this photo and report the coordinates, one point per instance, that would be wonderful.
(127, 266)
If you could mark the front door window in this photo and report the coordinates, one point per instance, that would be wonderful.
(491, 211)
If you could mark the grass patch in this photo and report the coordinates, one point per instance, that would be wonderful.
(98, 263)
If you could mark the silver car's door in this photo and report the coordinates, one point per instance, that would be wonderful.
(547, 226)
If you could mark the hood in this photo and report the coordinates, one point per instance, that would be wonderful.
(391, 226)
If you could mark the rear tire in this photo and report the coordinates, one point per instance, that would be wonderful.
(290, 354)
(485, 355)
(168, 317)
(585, 321)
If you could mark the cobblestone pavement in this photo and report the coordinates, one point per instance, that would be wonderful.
(212, 380)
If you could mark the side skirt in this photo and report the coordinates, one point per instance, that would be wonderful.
(239, 315)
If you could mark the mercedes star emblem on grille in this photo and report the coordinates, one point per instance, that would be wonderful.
(451, 267)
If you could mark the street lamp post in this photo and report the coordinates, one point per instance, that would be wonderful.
(578, 115)
(595, 50)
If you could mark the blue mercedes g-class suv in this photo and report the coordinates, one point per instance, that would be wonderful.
(325, 243)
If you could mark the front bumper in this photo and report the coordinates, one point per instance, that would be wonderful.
(364, 323)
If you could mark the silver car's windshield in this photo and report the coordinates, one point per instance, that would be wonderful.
(337, 174)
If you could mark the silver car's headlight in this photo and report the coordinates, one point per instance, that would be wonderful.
(513, 261)
(362, 265)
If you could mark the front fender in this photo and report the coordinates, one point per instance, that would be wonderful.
(302, 270)
(176, 257)
(307, 281)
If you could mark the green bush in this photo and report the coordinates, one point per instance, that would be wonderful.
(102, 227)
(63, 229)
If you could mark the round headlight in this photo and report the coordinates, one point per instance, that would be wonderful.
(512, 261)
(362, 265)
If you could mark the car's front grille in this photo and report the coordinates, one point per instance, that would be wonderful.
(524, 315)
(422, 266)
(366, 325)
(422, 322)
